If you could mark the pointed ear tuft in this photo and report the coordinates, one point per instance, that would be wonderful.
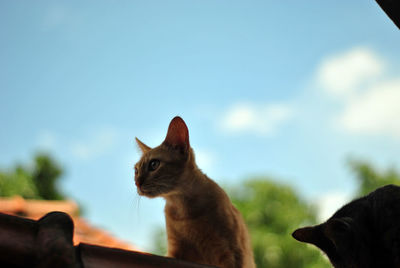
(178, 134)
(143, 147)
(306, 234)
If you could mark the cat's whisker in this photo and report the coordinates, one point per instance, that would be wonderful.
(138, 198)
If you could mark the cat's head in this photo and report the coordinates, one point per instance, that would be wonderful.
(160, 169)
(342, 240)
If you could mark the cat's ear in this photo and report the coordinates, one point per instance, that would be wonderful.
(339, 225)
(308, 234)
(178, 135)
(313, 235)
(143, 147)
(339, 231)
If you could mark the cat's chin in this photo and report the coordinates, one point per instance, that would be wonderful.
(148, 194)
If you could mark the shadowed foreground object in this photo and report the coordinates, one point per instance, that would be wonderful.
(392, 9)
(48, 243)
(365, 233)
(84, 232)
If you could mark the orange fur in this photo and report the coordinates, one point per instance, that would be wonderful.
(202, 224)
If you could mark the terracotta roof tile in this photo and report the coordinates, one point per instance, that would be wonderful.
(83, 232)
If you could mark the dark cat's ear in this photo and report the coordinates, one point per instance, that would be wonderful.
(339, 231)
(339, 225)
(143, 147)
(316, 235)
(307, 234)
(178, 135)
(313, 235)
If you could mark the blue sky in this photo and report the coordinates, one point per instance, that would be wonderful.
(287, 90)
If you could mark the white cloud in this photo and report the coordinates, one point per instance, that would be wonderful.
(341, 75)
(368, 98)
(205, 159)
(259, 119)
(329, 203)
(375, 112)
(98, 145)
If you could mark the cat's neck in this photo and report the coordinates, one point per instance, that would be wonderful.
(192, 199)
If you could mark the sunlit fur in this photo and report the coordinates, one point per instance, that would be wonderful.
(202, 224)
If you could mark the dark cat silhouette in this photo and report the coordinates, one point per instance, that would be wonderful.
(362, 234)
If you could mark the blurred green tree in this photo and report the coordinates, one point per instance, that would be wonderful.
(159, 246)
(17, 182)
(45, 176)
(39, 181)
(272, 211)
(369, 178)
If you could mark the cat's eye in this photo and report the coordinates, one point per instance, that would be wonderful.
(153, 165)
(136, 171)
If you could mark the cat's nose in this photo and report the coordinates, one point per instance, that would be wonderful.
(138, 181)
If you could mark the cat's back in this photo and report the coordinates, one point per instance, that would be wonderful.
(382, 201)
(230, 220)
(212, 227)
(385, 203)
(386, 217)
(386, 194)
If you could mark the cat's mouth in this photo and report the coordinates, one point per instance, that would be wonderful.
(147, 192)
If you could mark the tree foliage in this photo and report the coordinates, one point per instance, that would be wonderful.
(159, 241)
(37, 181)
(272, 211)
(370, 178)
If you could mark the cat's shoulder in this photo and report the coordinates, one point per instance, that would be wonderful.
(387, 193)
(375, 200)
(390, 188)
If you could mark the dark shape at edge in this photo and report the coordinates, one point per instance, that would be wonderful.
(48, 243)
(392, 9)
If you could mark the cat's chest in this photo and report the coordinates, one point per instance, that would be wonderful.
(181, 221)
(191, 210)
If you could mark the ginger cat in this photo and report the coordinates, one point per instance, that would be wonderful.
(202, 224)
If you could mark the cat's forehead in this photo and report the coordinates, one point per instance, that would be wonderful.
(155, 153)
(353, 209)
